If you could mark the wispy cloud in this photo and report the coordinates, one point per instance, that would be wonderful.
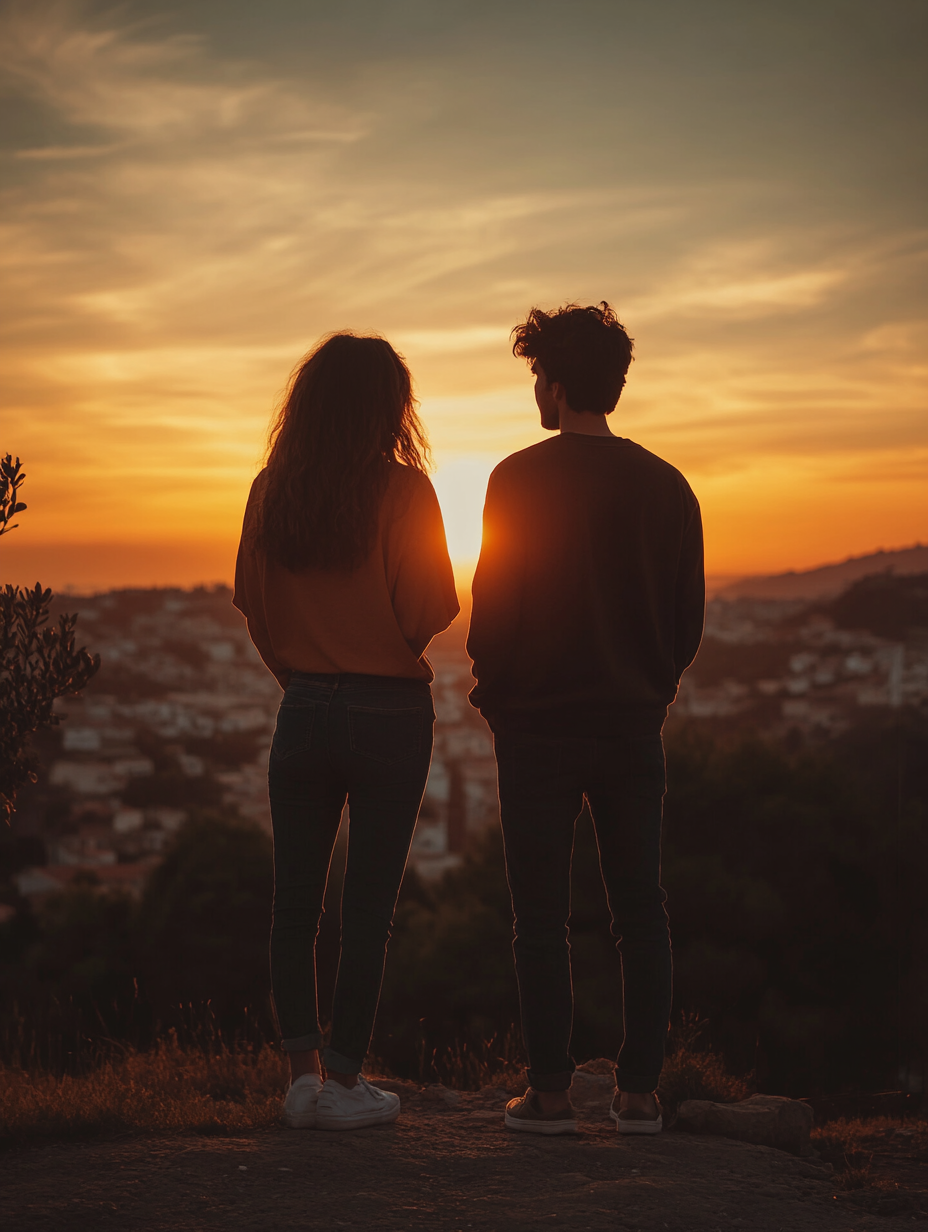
(452, 341)
(51, 153)
(193, 221)
(96, 73)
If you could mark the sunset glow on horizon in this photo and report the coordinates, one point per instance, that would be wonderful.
(194, 194)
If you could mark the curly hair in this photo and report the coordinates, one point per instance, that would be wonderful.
(349, 413)
(586, 350)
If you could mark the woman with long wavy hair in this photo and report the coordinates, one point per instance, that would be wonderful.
(344, 578)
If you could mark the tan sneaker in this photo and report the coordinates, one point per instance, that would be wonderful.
(630, 1121)
(526, 1115)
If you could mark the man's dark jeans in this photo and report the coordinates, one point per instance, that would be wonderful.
(542, 784)
(367, 739)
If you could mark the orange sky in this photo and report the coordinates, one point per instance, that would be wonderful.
(194, 194)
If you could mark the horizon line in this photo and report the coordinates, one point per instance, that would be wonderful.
(196, 573)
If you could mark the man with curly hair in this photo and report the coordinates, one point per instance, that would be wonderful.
(589, 600)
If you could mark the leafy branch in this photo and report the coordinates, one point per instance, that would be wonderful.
(11, 479)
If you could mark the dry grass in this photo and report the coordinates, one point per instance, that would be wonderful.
(700, 1075)
(168, 1089)
(694, 1071)
(494, 1062)
(862, 1178)
(211, 1088)
(854, 1135)
(850, 1145)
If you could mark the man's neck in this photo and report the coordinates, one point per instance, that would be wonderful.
(583, 423)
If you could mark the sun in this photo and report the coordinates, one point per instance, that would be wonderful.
(461, 484)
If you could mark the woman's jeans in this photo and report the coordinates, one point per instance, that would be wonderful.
(367, 740)
(542, 784)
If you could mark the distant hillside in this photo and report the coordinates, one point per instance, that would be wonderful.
(889, 605)
(827, 581)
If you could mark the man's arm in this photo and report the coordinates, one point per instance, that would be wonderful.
(494, 620)
(690, 614)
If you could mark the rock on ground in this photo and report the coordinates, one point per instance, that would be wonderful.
(592, 1093)
(766, 1120)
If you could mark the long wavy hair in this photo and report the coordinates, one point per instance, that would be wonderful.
(348, 413)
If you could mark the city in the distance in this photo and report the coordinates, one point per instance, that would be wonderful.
(180, 715)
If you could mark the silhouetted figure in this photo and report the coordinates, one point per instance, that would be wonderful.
(344, 577)
(589, 600)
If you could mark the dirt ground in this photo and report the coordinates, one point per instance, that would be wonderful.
(447, 1164)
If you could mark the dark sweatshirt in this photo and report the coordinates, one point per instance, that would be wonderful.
(589, 596)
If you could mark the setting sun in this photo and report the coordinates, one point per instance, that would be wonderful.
(461, 485)
(193, 203)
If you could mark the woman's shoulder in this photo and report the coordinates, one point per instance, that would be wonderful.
(255, 492)
(409, 495)
(406, 482)
(257, 484)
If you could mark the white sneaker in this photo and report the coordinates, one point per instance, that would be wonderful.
(356, 1107)
(299, 1110)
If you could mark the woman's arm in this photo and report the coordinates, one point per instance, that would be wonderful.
(419, 568)
(248, 595)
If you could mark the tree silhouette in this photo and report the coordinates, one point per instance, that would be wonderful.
(11, 480)
(38, 662)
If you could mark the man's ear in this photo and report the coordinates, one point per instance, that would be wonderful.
(558, 392)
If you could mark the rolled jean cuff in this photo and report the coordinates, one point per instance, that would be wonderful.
(303, 1043)
(636, 1084)
(339, 1064)
(550, 1082)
